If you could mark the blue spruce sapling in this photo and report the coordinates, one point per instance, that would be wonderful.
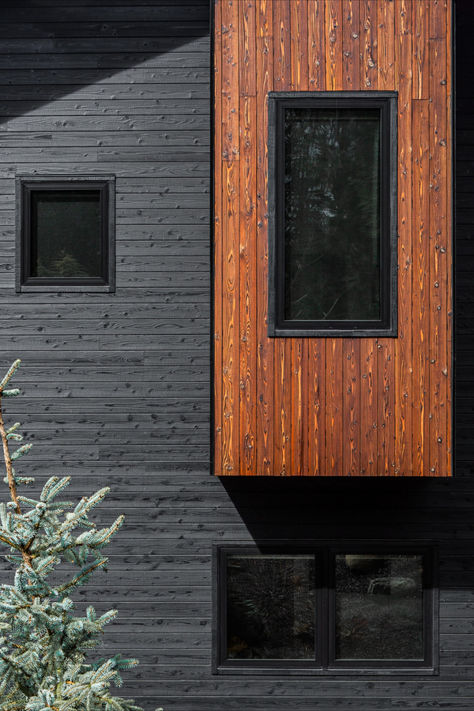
(44, 646)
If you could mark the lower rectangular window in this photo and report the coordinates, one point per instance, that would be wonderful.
(324, 609)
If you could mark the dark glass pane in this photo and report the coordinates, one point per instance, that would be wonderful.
(270, 607)
(332, 215)
(379, 607)
(66, 234)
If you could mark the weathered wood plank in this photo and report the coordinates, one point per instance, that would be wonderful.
(265, 353)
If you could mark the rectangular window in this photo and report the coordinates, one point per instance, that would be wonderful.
(324, 609)
(332, 206)
(66, 232)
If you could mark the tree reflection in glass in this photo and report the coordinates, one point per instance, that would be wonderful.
(270, 607)
(332, 214)
(379, 607)
(66, 234)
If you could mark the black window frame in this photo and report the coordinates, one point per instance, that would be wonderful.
(324, 662)
(26, 187)
(386, 103)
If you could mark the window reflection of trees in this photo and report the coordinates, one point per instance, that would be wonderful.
(332, 216)
(270, 607)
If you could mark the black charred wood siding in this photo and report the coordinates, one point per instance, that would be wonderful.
(117, 387)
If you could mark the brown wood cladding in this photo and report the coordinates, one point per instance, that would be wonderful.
(333, 406)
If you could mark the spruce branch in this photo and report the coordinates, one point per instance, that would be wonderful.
(8, 457)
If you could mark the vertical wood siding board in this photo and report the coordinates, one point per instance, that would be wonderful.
(369, 407)
(299, 44)
(334, 420)
(316, 45)
(247, 55)
(420, 287)
(351, 45)
(317, 411)
(230, 238)
(230, 79)
(297, 439)
(368, 350)
(247, 246)
(369, 43)
(333, 389)
(438, 21)
(299, 347)
(230, 340)
(439, 367)
(284, 365)
(248, 292)
(386, 45)
(351, 347)
(449, 241)
(421, 26)
(265, 353)
(403, 350)
(333, 44)
(385, 347)
(351, 405)
(217, 242)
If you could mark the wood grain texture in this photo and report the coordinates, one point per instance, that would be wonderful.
(332, 407)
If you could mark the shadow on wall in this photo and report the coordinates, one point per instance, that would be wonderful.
(81, 56)
(340, 509)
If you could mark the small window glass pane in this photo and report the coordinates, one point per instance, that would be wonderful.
(270, 607)
(66, 232)
(332, 214)
(379, 607)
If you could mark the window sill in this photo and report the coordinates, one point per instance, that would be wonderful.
(286, 670)
(61, 288)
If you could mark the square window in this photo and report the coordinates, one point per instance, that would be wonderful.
(270, 607)
(324, 610)
(332, 206)
(66, 233)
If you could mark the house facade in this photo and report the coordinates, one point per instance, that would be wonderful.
(297, 484)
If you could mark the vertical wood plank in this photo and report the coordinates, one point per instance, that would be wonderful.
(218, 242)
(369, 407)
(316, 409)
(230, 239)
(369, 43)
(265, 354)
(334, 385)
(439, 246)
(421, 290)
(421, 63)
(230, 317)
(317, 49)
(333, 44)
(299, 347)
(350, 435)
(449, 243)
(248, 283)
(247, 247)
(386, 45)
(299, 44)
(351, 44)
(403, 348)
(282, 346)
(386, 432)
(247, 48)
(281, 46)
(230, 79)
(316, 45)
(351, 406)
(386, 407)
(334, 403)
